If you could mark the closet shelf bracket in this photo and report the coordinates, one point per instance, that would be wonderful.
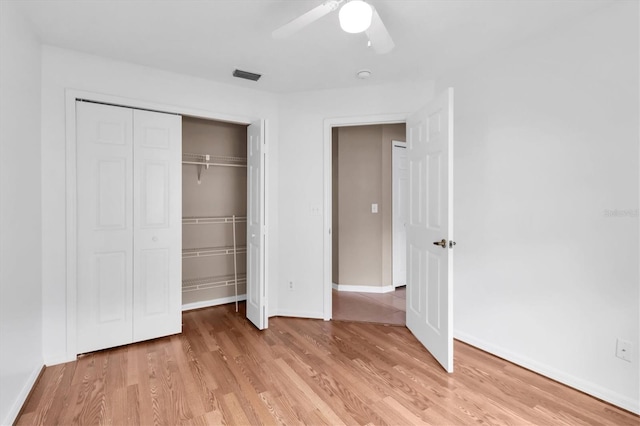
(199, 166)
(199, 169)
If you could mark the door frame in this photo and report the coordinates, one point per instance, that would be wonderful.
(394, 144)
(329, 124)
(71, 96)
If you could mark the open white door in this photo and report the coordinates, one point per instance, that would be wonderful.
(430, 228)
(256, 235)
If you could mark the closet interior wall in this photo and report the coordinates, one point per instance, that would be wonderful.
(211, 197)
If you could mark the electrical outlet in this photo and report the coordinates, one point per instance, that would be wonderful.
(290, 285)
(624, 349)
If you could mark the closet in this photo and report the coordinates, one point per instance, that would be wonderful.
(169, 211)
(214, 209)
(128, 225)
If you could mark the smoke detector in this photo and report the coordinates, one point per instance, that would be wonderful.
(363, 74)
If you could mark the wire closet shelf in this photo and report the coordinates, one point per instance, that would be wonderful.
(205, 161)
(203, 283)
(211, 282)
(213, 160)
(205, 220)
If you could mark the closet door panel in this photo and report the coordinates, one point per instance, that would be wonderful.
(110, 271)
(256, 287)
(155, 286)
(158, 225)
(111, 192)
(105, 226)
(155, 190)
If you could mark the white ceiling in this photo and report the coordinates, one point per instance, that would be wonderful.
(209, 38)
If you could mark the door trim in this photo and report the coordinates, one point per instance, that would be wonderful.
(71, 95)
(329, 124)
(394, 144)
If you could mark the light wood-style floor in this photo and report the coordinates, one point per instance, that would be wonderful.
(383, 308)
(221, 370)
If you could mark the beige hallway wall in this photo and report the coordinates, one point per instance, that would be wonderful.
(362, 176)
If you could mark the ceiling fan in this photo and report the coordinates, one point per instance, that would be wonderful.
(355, 16)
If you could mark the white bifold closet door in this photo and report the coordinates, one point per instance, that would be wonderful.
(256, 230)
(129, 225)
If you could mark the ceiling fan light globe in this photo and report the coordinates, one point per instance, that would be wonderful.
(355, 16)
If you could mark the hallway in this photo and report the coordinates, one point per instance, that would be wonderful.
(383, 308)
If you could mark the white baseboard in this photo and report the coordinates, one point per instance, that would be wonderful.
(587, 387)
(363, 288)
(58, 359)
(212, 302)
(300, 314)
(22, 397)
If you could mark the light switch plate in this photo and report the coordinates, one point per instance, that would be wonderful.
(374, 208)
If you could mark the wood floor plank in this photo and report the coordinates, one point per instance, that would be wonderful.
(46, 402)
(405, 414)
(192, 396)
(116, 410)
(133, 405)
(251, 392)
(51, 376)
(280, 416)
(143, 387)
(315, 400)
(291, 405)
(222, 371)
(316, 417)
(357, 405)
(236, 414)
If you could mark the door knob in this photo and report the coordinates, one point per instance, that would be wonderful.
(442, 243)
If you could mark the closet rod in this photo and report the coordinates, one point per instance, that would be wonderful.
(205, 220)
(213, 164)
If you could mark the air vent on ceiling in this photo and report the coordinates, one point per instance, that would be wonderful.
(246, 75)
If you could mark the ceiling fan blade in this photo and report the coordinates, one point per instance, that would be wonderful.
(379, 37)
(303, 20)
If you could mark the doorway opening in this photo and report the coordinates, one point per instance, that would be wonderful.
(214, 213)
(224, 219)
(429, 300)
(367, 284)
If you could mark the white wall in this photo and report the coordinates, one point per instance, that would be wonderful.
(63, 69)
(20, 231)
(301, 153)
(546, 141)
